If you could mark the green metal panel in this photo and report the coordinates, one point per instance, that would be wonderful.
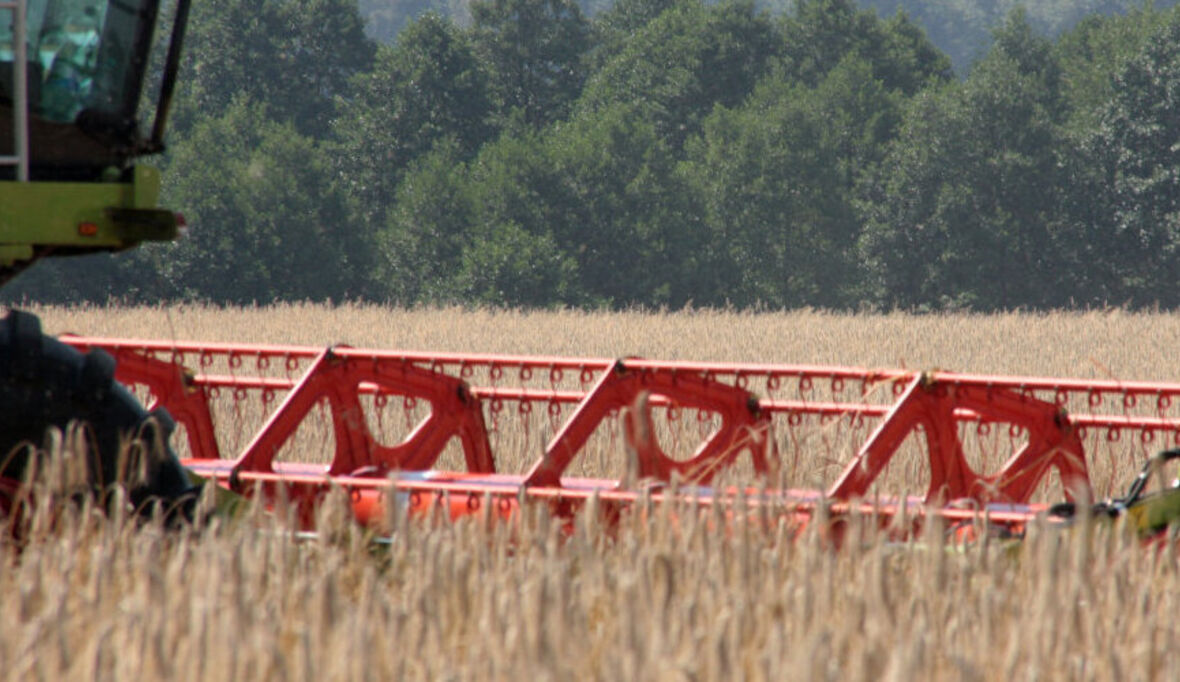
(95, 216)
(1155, 512)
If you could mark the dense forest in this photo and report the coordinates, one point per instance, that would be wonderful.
(925, 155)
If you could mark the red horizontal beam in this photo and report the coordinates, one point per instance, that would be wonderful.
(300, 479)
(718, 369)
(801, 407)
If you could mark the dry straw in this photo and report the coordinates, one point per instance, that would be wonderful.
(102, 598)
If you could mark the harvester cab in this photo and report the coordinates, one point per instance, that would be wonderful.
(72, 76)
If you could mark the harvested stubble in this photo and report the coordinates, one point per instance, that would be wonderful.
(107, 600)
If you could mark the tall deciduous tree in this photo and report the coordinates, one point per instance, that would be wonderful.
(427, 88)
(1139, 146)
(263, 224)
(293, 56)
(535, 51)
(1093, 52)
(593, 213)
(428, 226)
(965, 209)
(777, 177)
(615, 27)
(822, 33)
(513, 256)
(689, 59)
(482, 231)
(629, 218)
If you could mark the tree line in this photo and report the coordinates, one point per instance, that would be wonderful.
(662, 153)
(960, 28)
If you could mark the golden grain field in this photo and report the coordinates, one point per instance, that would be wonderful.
(106, 599)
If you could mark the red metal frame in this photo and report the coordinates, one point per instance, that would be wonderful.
(464, 391)
(743, 426)
(930, 405)
(336, 377)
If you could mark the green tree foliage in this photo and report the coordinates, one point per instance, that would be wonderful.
(822, 33)
(1093, 52)
(262, 222)
(777, 176)
(293, 56)
(484, 231)
(671, 151)
(422, 242)
(591, 214)
(1138, 147)
(427, 88)
(98, 278)
(385, 19)
(964, 209)
(963, 28)
(535, 51)
(614, 28)
(512, 256)
(630, 221)
(680, 65)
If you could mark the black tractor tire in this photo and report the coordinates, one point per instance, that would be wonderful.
(45, 383)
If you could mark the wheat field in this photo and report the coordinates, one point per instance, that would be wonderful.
(98, 598)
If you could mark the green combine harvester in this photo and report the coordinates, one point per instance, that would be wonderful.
(72, 127)
(72, 75)
(71, 81)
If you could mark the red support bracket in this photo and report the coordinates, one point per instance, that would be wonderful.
(337, 376)
(172, 386)
(931, 405)
(743, 425)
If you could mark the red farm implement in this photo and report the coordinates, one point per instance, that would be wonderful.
(430, 433)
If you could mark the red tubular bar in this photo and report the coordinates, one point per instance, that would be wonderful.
(460, 387)
(269, 356)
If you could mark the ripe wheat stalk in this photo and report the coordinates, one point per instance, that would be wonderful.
(103, 598)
